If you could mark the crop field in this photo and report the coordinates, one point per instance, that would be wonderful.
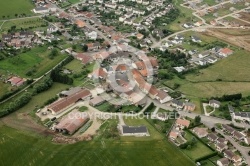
(36, 60)
(10, 8)
(31, 150)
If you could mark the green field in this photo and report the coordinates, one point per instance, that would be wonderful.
(10, 8)
(154, 134)
(36, 60)
(185, 16)
(223, 77)
(36, 150)
(39, 99)
(198, 150)
(27, 23)
(4, 88)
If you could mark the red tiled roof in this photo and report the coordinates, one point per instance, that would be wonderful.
(67, 101)
(15, 80)
(72, 122)
(226, 51)
(99, 73)
(183, 122)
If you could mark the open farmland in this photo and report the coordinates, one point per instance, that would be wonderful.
(33, 150)
(10, 8)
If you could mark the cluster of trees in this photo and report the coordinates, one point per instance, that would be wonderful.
(57, 76)
(237, 96)
(168, 60)
(168, 18)
(54, 52)
(189, 144)
(149, 109)
(82, 73)
(43, 86)
(51, 100)
(18, 103)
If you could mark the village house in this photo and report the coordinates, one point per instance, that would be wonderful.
(212, 137)
(163, 97)
(177, 104)
(214, 103)
(98, 74)
(173, 135)
(244, 116)
(239, 136)
(139, 36)
(225, 52)
(188, 106)
(182, 123)
(200, 132)
(223, 162)
(222, 140)
(231, 156)
(228, 129)
(221, 147)
(16, 81)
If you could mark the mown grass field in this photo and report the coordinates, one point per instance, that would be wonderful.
(36, 59)
(10, 8)
(35, 150)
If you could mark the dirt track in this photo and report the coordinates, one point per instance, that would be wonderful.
(237, 40)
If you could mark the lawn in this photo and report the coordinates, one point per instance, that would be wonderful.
(10, 8)
(35, 150)
(35, 60)
(198, 150)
